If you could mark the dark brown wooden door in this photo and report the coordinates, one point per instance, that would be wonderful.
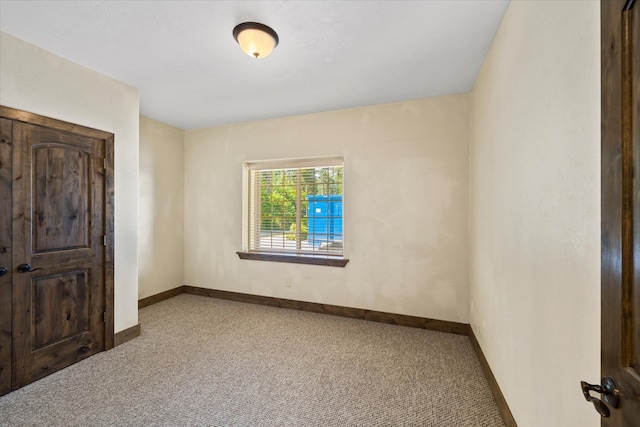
(56, 243)
(6, 153)
(620, 338)
(58, 229)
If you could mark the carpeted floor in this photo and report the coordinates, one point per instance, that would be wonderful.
(207, 362)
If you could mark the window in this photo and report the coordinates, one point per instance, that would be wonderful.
(294, 207)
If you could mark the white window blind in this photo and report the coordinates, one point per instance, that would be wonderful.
(295, 206)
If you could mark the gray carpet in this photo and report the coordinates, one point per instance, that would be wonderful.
(207, 362)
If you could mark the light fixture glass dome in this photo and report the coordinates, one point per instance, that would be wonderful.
(256, 40)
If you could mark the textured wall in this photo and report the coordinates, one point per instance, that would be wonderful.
(406, 197)
(37, 81)
(161, 208)
(535, 210)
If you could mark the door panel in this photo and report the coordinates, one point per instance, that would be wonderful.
(58, 204)
(61, 196)
(6, 153)
(620, 337)
(60, 307)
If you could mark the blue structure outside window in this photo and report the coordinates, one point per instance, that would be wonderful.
(324, 216)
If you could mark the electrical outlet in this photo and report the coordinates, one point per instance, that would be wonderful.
(287, 283)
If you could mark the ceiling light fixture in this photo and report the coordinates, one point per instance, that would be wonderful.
(256, 40)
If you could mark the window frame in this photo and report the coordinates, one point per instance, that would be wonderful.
(320, 258)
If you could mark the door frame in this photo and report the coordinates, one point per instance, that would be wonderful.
(38, 120)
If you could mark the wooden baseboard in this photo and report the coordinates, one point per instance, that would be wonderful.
(160, 297)
(507, 416)
(355, 313)
(126, 335)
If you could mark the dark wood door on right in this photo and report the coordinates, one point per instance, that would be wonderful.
(6, 153)
(620, 339)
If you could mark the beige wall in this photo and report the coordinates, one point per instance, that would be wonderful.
(535, 210)
(161, 208)
(406, 197)
(37, 81)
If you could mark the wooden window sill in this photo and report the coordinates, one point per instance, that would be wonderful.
(295, 259)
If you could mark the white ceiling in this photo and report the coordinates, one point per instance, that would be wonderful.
(332, 54)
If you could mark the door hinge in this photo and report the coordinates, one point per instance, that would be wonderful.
(104, 317)
(104, 240)
(104, 163)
